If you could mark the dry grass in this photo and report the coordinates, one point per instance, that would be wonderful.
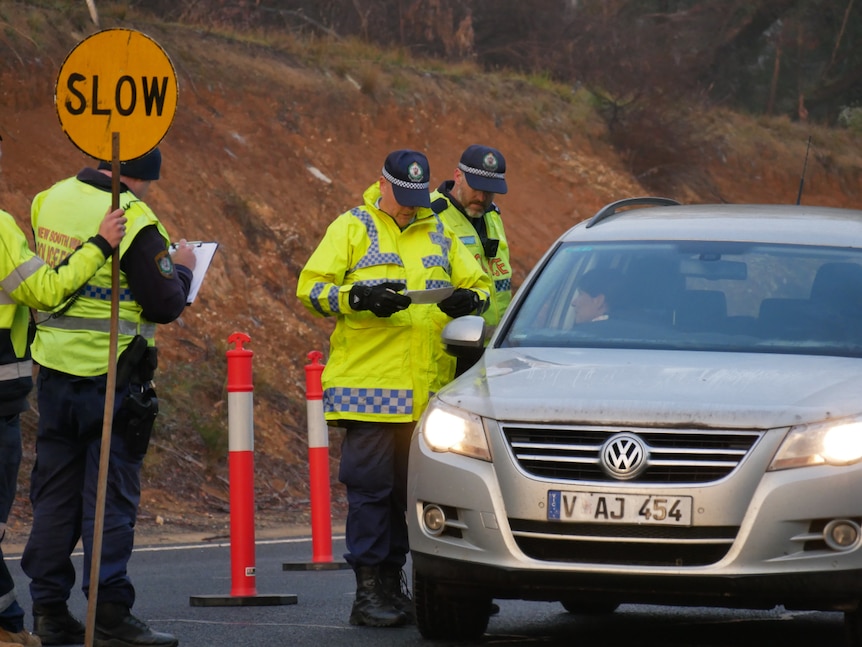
(257, 109)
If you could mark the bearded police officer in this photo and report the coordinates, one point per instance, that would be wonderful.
(471, 211)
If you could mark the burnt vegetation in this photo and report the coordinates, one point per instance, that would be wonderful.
(644, 61)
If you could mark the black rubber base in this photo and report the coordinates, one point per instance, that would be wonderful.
(315, 566)
(242, 600)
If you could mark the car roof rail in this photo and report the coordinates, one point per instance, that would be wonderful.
(613, 207)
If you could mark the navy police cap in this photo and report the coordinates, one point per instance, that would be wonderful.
(484, 168)
(146, 167)
(409, 174)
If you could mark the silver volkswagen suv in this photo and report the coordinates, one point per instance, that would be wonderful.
(670, 412)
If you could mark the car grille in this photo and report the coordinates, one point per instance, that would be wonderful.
(631, 545)
(573, 453)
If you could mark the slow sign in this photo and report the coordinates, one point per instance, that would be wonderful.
(116, 96)
(116, 81)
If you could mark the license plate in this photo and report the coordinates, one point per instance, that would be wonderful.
(596, 507)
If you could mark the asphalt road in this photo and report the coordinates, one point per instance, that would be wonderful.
(168, 577)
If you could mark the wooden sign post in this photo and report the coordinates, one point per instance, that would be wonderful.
(116, 96)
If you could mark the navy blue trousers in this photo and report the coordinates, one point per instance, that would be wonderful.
(63, 488)
(11, 613)
(373, 468)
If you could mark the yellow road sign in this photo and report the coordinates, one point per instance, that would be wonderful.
(116, 81)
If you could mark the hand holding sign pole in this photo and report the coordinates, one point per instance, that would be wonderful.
(116, 96)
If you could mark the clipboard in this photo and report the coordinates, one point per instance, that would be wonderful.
(204, 252)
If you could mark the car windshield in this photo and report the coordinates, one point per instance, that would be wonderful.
(711, 296)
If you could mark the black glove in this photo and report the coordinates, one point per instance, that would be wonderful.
(383, 300)
(461, 302)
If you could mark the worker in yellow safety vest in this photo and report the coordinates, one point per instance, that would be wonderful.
(392, 274)
(26, 281)
(72, 349)
(474, 216)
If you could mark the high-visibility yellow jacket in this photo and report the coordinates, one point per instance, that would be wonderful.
(26, 281)
(77, 340)
(497, 267)
(385, 368)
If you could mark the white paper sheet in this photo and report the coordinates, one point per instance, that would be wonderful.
(435, 295)
(204, 252)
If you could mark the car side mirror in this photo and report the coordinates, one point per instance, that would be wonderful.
(464, 337)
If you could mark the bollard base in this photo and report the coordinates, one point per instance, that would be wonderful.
(242, 600)
(315, 566)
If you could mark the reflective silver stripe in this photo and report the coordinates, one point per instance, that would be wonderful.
(13, 371)
(21, 273)
(129, 328)
(6, 600)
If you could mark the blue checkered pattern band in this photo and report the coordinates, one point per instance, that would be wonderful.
(332, 299)
(433, 285)
(436, 261)
(503, 285)
(402, 183)
(481, 171)
(438, 237)
(373, 256)
(384, 401)
(93, 292)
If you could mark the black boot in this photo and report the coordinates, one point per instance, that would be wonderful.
(394, 584)
(117, 627)
(372, 607)
(56, 626)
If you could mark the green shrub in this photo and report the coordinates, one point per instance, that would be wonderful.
(851, 118)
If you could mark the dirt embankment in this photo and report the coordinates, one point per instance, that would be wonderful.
(271, 142)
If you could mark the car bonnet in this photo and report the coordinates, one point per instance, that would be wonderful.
(649, 388)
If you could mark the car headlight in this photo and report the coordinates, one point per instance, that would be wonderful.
(837, 443)
(449, 429)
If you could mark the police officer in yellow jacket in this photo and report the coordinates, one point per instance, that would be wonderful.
(474, 216)
(28, 282)
(386, 359)
(71, 347)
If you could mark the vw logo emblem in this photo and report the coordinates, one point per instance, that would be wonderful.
(624, 456)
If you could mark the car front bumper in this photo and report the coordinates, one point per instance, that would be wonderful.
(821, 591)
(772, 554)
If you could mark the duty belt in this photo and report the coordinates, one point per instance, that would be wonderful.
(13, 371)
(129, 328)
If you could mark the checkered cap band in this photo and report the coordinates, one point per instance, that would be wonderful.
(403, 184)
(481, 171)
